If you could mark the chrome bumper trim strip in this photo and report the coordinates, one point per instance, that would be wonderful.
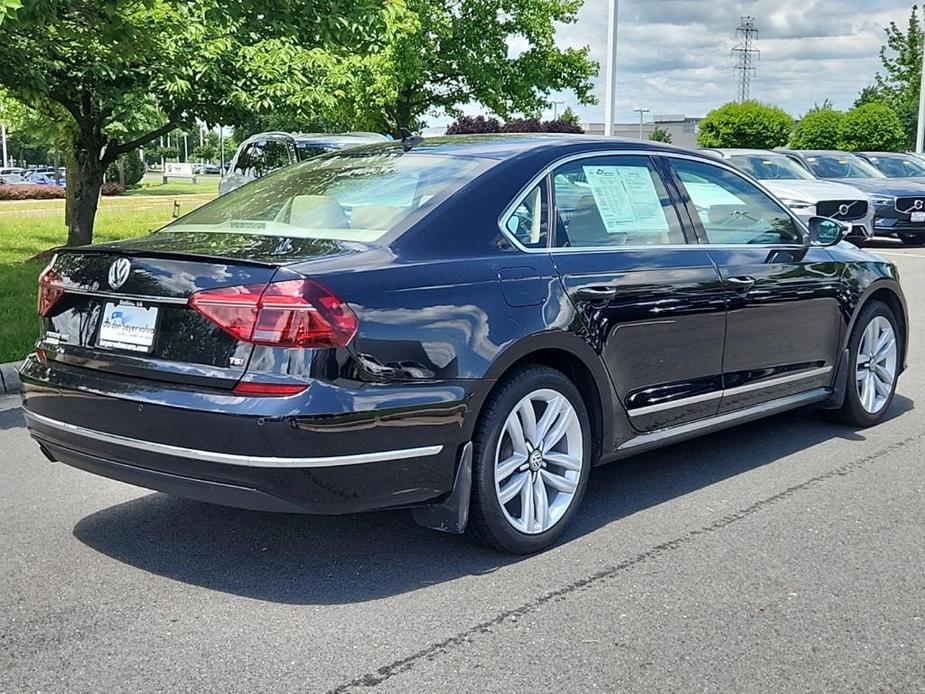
(231, 458)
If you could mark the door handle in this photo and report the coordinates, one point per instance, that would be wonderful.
(595, 295)
(741, 285)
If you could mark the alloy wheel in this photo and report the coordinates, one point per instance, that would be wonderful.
(876, 364)
(538, 461)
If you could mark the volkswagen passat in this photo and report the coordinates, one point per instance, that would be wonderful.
(462, 326)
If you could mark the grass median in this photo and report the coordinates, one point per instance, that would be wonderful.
(31, 227)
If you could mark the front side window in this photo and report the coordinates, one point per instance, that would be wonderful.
(275, 156)
(613, 201)
(528, 223)
(733, 211)
(338, 196)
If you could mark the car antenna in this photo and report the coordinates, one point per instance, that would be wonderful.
(409, 139)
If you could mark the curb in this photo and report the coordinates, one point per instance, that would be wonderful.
(9, 378)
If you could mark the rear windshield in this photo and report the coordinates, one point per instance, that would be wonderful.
(845, 166)
(343, 196)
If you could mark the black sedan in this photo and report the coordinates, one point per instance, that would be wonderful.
(462, 326)
(899, 204)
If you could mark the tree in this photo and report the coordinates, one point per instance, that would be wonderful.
(119, 74)
(872, 127)
(899, 83)
(818, 129)
(569, 116)
(660, 134)
(749, 124)
(448, 53)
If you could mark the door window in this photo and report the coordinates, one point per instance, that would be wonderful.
(733, 211)
(260, 158)
(528, 223)
(613, 201)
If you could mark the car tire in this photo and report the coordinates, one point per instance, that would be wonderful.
(525, 492)
(912, 239)
(864, 407)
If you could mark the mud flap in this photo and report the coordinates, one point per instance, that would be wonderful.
(840, 385)
(452, 515)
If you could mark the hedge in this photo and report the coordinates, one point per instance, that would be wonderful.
(27, 192)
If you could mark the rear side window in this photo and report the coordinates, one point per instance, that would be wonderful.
(528, 223)
(260, 158)
(613, 201)
(733, 211)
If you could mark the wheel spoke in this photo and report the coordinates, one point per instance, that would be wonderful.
(553, 408)
(883, 374)
(507, 467)
(516, 431)
(557, 431)
(567, 462)
(886, 350)
(870, 337)
(861, 375)
(540, 503)
(558, 482)
(871, 393)
(526, 504)
(882, 386)
(513, 487)
(528, 419)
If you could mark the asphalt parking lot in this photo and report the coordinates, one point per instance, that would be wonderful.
(784, 555)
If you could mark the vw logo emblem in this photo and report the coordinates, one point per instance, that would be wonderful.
(844, 209)
(119, 272)
(919, 204)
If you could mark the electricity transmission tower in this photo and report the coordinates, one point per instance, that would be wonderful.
(746, 55)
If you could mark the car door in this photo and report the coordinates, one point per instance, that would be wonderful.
(783, 319)
(652, 303)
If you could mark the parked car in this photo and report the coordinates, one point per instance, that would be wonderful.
(11, 179)
(211, 169)
(44, 178)
(431, 327)
(12, 171)
(261, 154)
(895, 165)
(899, 205)
(804, 193)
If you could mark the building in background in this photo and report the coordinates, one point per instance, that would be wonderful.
(683, 129)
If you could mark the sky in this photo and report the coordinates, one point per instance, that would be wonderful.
(674, 56)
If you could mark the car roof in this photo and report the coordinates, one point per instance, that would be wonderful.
(885, 155)
(507, 145)
(747, 152)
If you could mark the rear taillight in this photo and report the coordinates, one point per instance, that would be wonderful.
(278, 389)
(293, 313)
(51, 289)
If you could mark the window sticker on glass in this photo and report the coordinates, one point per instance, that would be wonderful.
(626, 199)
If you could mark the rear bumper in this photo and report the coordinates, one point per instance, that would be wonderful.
(239, 453)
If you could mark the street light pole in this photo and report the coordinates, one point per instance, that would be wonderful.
(641, 111)
(555, 108)
(6, 160)
(920, 134)
(610, 96)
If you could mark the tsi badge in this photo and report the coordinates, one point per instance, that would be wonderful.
(119, 272)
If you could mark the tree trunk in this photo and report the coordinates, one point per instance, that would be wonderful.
(84, 181)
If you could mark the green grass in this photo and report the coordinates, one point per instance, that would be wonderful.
(152, 185)
(30, 227)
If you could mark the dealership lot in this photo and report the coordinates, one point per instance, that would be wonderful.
(786, 554)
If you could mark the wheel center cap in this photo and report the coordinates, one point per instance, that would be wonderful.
(535, 461)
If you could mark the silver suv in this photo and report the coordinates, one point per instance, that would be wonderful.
(263, 153)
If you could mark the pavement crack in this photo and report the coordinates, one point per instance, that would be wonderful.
(435, 650)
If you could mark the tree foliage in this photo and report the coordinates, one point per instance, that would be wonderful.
(448, 53)
(118, 74)
(750, 124)
(899, 83)
(873, 127)
(818, 129)
(660, 134)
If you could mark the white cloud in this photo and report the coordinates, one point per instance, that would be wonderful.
(674, 56)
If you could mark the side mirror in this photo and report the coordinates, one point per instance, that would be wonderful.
(824, 231)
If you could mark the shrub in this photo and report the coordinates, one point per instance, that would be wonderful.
(561, 125)
(818, 129)
(27, 192)
(750, 124)
(872, 127)
(132, 168)
(466, 125)
(660, 134)
(523, 125)
(112, 188)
